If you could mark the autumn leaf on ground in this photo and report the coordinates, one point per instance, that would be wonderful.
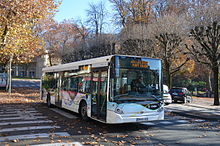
(90, 143)
(59, 141)
(137, 138)
(15, 140)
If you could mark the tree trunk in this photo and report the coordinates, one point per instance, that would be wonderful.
(168, 75)
(215, 70)
(209, 81)
(50, 59)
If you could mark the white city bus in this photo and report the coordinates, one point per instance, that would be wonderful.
(105, 88)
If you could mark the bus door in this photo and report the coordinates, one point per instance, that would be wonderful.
(99, 94)
(57, 90)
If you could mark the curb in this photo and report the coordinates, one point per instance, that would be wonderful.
(205, 107)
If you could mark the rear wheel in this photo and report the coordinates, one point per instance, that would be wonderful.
(83, 111)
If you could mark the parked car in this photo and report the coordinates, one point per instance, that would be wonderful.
(166, 95)
(180, 94)
(3, 80)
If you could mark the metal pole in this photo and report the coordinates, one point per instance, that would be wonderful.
(10, 63)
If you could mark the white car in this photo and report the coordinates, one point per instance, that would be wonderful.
(166, 95)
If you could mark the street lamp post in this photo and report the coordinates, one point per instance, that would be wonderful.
(10, 78)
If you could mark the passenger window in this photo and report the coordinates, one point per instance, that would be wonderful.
(84, 83)
(73, 84)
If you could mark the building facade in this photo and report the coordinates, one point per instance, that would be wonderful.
(29, 70)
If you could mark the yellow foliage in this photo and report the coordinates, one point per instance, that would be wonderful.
(187, 68)
(18, 20)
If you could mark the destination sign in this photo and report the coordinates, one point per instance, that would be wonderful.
(139, 64)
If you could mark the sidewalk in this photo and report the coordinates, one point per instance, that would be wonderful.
(34, 80)
(204, 102)
(201, 107)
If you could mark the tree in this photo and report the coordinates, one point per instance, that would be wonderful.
(134, 16)
(95, 47)
(61, 40)
(52, 46)
(204, 18)
(96, 17)
(208, 50)
(168, 32)
(121, 12)
(139, 47)
(19, 41)
(132, 11)
(165, 7)
(171, 54)
(17, 20)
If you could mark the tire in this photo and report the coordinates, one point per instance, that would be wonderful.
(49, 105)
(189, 99)
(185, 100)
(83, 111)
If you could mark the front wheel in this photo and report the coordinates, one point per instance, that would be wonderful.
(83, 111)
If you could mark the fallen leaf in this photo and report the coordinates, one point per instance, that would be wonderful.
(91, 143)
(59, 140)
(15, 140)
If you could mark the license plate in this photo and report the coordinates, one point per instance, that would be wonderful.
(175, 94)
(141, 119)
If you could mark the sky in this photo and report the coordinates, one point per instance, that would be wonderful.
(75, 9)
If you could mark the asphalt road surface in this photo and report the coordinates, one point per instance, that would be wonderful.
(23, 124)
(31, 83)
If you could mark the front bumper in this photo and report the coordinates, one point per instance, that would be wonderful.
(178, 98)
(167, 100)
(114, 118)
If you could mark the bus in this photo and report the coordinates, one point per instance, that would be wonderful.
(111, 89)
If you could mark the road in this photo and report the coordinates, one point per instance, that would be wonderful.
(22, 124)
(35, 124)
(31, 83)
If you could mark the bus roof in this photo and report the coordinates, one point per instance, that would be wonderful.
(95, 62)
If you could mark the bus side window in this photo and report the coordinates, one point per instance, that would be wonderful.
(50, 81)
(87, 80)
(64, 85)
(73, 84)
(84, 83)
(80, 84)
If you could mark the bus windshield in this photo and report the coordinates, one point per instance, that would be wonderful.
(139, 82)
